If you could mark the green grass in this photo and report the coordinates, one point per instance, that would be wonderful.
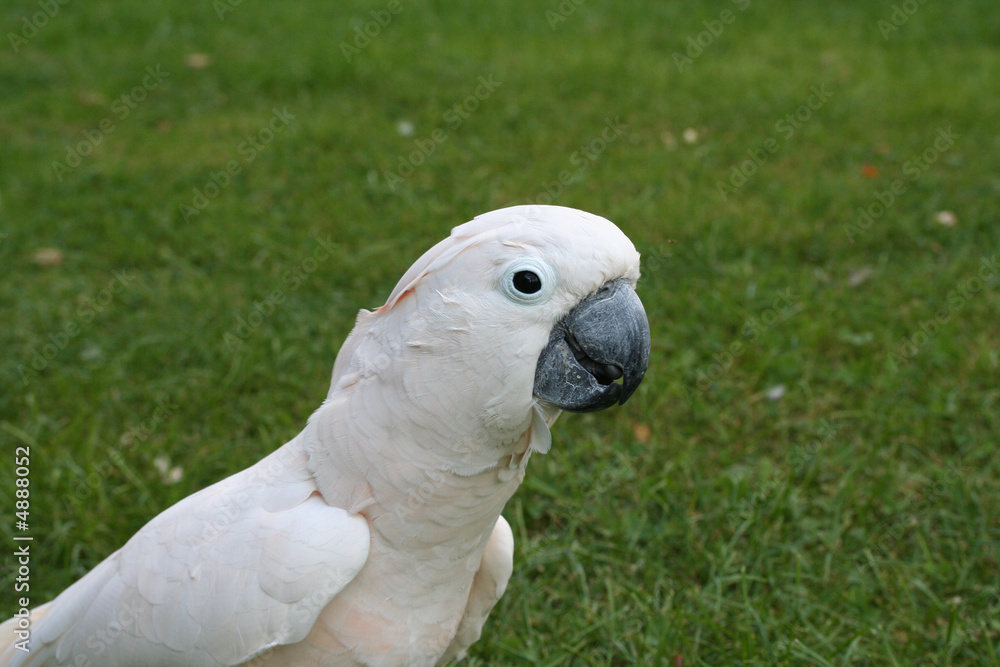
(852, 521)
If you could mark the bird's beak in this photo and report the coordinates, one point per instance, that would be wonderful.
(603, 339)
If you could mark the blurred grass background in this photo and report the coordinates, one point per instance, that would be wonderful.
(808, 475)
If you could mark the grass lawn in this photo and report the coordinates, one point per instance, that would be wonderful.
(196, 199)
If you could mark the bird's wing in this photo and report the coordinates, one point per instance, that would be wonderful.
(488, 587)
(217, 579)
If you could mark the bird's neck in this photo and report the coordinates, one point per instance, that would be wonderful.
(425, 491)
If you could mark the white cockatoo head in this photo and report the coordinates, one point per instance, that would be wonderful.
(522, 310)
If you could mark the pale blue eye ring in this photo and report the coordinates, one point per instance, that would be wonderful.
(527, 281)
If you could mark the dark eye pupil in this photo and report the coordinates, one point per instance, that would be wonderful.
(527, 282)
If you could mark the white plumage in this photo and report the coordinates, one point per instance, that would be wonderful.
(374, 537)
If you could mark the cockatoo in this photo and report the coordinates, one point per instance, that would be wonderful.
(374, 537)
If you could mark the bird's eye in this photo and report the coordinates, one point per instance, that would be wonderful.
(527, 282)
